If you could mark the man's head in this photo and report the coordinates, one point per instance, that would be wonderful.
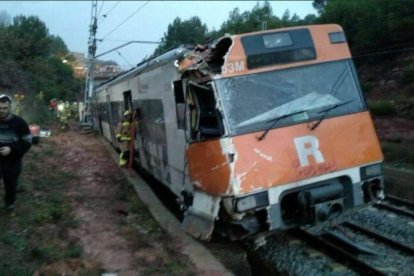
(5, 104)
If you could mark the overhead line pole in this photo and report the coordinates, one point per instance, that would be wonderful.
(87, 116)
(89, 82)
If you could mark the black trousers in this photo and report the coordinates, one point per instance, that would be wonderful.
(9, 172)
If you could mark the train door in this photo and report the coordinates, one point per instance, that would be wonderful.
(128, 105)
(110, 118)
(128, 101)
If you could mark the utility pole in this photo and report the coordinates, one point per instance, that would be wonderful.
(90, 66)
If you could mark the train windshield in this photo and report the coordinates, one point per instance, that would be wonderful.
(291, 96)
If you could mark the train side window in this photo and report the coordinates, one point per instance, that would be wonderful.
(127, 100)
(206, 120)
(179, 103)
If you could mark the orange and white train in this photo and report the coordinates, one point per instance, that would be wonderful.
(253, 132)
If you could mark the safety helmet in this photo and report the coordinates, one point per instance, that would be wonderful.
(127, 112)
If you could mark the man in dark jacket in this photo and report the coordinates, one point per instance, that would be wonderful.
(15, 141)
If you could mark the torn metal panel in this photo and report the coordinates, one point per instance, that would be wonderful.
(205, 60)
(200, 217)
(199, 226)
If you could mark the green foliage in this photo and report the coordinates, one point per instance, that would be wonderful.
(381, 108)
(407, 76)
(405, 107)
(37, 233)
(35, 111)
(58, 46)
(31, 61)
(190, 31)
(366, 86)
(319, 5)
(29, 38)
(371, 25)
(193, 31)
(398, 154)
(259, 18)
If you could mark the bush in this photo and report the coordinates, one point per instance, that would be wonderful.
(35, 111)
(399, 154)
(405, 107)
(407, 76)
(367, 87)
(381, 108)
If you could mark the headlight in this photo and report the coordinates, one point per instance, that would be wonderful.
(252, 201)
(371, 171)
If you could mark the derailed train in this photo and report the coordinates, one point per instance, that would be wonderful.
(253, 132)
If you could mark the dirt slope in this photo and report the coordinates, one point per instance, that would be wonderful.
(115, 230)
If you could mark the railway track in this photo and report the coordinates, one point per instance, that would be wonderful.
(375, 240)
(369, 241)
(397, 205)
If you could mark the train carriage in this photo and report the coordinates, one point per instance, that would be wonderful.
(253, 132)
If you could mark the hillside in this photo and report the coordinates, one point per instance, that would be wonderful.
(388, 85)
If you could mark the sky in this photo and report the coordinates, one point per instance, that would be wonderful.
(133, 20)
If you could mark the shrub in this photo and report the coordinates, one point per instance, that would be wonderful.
(399, 154)
(381, 108)
(367, 87)
(405, 107)
(35, 111)
(407, 76)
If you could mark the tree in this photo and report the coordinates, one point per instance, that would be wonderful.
(319, 5)
(249, 21)
(31, 61)
(58, 47)
(191, 31)
(30, 38)
(5, 19)
(261, 16)
(371, 25)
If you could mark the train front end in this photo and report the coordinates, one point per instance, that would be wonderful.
(298, 144)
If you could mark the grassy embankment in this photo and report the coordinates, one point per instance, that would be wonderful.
(37, 232)
(36, 235)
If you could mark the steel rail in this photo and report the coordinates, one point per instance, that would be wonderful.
(337, 253)
(400, 246)
(393, 208)
(399, 201)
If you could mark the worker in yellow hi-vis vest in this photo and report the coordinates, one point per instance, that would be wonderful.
(124, 137)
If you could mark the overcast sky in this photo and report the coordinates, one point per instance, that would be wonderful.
(148, 21)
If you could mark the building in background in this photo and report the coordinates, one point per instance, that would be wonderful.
(104, 70)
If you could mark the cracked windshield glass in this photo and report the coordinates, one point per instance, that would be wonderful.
(253, 102)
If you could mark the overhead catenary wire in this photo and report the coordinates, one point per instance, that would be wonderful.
(143, 5)
(103, 2)
(100, 40)
(119, 53)
(106, 14)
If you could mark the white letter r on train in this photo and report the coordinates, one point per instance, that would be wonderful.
(308, 145)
